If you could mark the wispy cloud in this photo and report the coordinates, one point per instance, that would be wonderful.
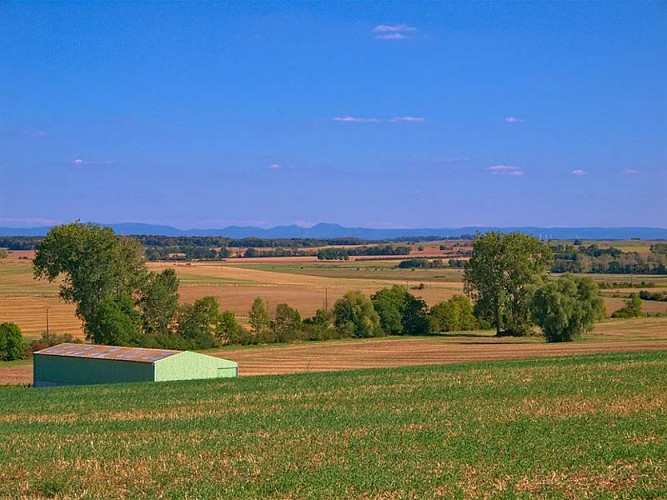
(452, 159)
(578, 172)
(396, 119)
(33, 132)
(513, 119)
(631, 171)
(78, 162)
(409, 119)
(275, 166)
(393, 28)
(391, 36)
(506, 170)
(355, 119)
(393, 31)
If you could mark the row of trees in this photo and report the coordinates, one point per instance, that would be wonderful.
(421, 264)
(593, 259)
(121, 302)
(346, 253)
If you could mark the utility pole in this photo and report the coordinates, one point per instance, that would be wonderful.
(47, 319)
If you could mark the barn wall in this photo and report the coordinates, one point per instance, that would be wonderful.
(191, 365)
(60, 370)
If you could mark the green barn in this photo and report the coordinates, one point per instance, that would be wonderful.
(76, 364)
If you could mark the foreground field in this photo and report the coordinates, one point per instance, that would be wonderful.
(583, 426)
(612, 336)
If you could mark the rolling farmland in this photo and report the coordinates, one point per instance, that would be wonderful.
(568, 428)
(303, 282)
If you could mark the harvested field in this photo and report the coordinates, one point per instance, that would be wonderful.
(646, 334)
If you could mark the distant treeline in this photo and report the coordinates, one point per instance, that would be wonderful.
(346, 253)
(20, 242)
(593, 259)
(421, 264)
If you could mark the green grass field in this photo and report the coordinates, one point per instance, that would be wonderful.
(583, 426)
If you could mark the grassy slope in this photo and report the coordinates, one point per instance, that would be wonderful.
(569, 427)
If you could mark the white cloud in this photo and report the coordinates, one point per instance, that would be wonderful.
(396, 119)
(274, 166)
(391, 36)
(412, 119)
(393, 28)
(354, 119)
(393, 31)
(513, 119)
(78, 162)
(578, 172)
(506, 170)
(631, 171)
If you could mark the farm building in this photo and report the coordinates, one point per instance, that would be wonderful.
(75, 364)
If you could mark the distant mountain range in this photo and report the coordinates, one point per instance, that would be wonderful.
(324, 230)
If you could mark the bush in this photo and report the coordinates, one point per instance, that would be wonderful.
(11, 342)
(632, 308)
(51, 339)
(455, 314)
(354, 316)
(567, 307)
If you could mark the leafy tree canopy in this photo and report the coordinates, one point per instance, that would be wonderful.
(502, 274)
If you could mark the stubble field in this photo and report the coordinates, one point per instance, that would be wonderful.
(586, 426)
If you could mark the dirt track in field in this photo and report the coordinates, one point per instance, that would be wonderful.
(408, 351)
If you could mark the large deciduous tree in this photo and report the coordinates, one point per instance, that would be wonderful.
(96, 265)
(116, 296)
(501, 275)
(567, 307)
(158, 302)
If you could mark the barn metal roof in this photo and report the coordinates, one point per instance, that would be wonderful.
(136, 354)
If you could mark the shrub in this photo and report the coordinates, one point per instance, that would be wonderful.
(11, 342)
(632, 308)
(567, 307)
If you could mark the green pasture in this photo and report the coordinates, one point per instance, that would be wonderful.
(371, 270)
(591, 426)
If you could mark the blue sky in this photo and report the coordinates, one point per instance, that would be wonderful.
(383, 114)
